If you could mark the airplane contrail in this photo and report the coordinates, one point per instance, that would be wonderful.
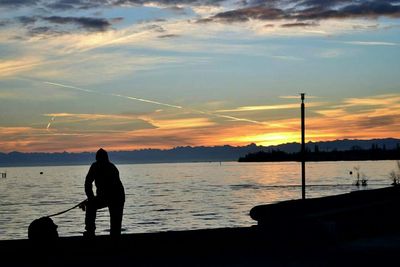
(147, 101)
(49, 124)
(225, 116)
(152, 102)
(70, 87)
(116, 95)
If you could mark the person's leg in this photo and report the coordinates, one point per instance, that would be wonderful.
(116, 213)
(90, 218)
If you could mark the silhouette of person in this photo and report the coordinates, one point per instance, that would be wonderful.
(110, 193)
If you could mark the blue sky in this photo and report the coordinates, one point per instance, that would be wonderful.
(76, 75)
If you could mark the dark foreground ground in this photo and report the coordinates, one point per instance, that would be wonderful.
(359, 230)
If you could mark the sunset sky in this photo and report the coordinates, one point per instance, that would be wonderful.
(76, 75)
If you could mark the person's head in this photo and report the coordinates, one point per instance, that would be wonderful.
(102, 155)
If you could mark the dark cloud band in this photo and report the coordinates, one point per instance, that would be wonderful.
(299, 24)
(88, 4)
(96, 24)
(57, 25)
(309, 10)
(17, 3)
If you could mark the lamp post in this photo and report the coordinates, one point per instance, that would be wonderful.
(303, 150)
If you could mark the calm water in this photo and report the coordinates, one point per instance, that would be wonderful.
(161, 197)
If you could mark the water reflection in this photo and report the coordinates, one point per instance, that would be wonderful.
(164, 197)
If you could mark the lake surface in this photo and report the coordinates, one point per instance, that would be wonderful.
(175, 196)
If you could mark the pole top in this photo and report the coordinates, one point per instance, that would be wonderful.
(302, 96)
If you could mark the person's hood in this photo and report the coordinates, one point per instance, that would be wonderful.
(102, 155)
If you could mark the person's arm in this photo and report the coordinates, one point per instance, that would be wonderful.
(89, 184)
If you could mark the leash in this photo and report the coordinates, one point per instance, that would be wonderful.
(62, 212)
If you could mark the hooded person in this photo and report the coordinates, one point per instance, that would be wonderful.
(109, 193)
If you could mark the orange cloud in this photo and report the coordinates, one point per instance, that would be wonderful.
(269, 107)
(379, 100)
(182, 123)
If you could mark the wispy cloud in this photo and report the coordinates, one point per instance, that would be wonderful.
(290, 58)
(365, 43)
(269, 107)
(13, 67)
(89, 68)
(189, 123)
(258, 108)
(385, 100)
(330, 53)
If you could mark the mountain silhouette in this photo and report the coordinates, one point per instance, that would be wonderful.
(185, 153)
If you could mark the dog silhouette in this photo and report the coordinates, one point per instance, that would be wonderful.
(42, 229)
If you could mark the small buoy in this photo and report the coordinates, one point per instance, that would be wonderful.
(41, 172)
(351, 173)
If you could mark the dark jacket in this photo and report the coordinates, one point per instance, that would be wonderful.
(106, 178)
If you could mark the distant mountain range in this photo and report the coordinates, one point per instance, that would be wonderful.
(186, 153)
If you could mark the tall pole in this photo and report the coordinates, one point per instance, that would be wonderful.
(303, 150)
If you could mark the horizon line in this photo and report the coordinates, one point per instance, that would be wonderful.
(171, 148)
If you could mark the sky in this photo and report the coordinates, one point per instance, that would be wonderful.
(76, 75)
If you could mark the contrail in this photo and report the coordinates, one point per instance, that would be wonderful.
(71, 87)
(225, 116)
(236, 119)
(116, 95)
(146, 100)
(152, 102)
(49, 124)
